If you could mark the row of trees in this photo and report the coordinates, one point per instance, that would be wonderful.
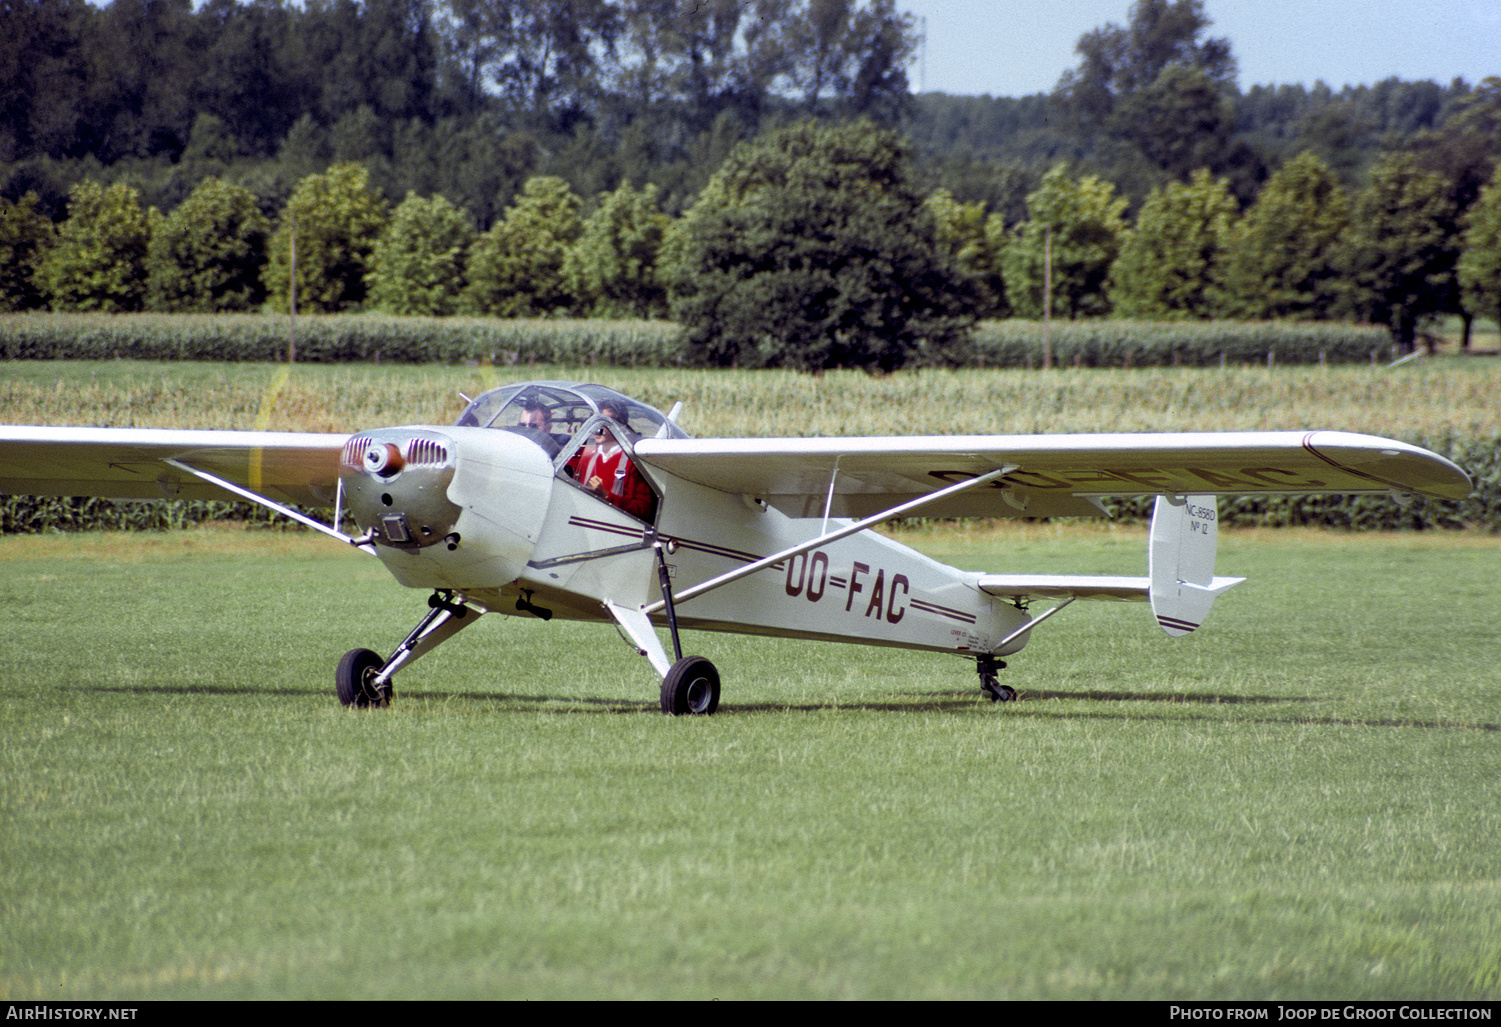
(470, 99)
(463, 97)
(129, 79)
(813, 246)
(217, 252)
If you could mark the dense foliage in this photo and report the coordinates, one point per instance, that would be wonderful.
(327, 236)
(418, 264)
(1281, 259)
(1170, 262)
(516, 268)
(99, 260)
(812, 250)
(1058, 261)
(1480, 266)
(207, 256)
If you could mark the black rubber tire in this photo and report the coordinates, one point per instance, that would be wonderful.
(352, 681)
(691, 688)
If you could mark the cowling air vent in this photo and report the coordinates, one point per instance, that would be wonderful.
(354, 451)
(426, 451)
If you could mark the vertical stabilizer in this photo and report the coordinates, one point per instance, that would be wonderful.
(1180, 560)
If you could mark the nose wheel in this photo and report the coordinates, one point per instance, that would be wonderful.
(363, 679)
(354, 680)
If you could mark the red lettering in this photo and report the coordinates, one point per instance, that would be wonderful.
(1219, 481)
(893, 615)
(855, 586)
(1038, 480)
(877, 594)
(800, 561)
(1148, 476)
(1287, 478)
(819, 566)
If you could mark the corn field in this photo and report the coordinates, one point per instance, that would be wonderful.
(638, 343)
(1446, 405)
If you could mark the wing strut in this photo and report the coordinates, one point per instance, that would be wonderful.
(1019, 632)
(827, 537)
(271, 504)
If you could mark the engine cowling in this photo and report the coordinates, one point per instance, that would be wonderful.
(451, 508)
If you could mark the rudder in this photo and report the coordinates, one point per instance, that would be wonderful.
(1180, 562)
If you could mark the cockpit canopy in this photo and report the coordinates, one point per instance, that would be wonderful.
(564, 407)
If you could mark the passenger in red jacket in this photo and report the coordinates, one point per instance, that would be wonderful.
(603, 468)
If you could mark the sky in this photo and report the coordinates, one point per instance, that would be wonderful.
(1020, 47)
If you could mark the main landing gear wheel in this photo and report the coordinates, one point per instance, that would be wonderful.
(691, 687)
(355, 680)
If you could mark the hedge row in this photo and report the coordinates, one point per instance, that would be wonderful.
(333, 339)
(1187, 343)
(416, 340)
(33, 515)
(1481, 458)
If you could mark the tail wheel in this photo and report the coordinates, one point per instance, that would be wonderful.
(1002, 693)
(354, 681)
(691, 688)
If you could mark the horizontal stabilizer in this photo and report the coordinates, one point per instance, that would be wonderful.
(1191, 606)
(1215, 588)
(1064, 586)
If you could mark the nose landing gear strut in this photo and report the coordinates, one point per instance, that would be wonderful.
(363, 679)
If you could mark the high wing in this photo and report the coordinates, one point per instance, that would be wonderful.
(1048, 475)
(150, 463)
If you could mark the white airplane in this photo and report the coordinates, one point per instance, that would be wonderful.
(522, 508)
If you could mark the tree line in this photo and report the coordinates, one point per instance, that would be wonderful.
(811, 247)
(469, 98)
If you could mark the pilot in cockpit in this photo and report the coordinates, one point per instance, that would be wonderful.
(603, 468)
(534, 415)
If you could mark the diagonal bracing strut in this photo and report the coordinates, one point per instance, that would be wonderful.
(827, 537)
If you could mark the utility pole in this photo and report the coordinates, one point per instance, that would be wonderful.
(292, 304)
(1047, 300)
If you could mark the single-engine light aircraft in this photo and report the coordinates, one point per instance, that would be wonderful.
(559, 499)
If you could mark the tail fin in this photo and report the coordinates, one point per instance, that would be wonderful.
(1180, 562)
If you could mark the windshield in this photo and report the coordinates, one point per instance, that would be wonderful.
(559, 409)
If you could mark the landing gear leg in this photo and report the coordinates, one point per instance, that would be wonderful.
(363, 679)
(990, 684)
(691, 684)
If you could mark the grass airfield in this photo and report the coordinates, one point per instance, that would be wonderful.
(1301, 800)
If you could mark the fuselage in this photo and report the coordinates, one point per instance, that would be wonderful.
(491, 512)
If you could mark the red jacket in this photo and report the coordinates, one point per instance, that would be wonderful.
(612, 475)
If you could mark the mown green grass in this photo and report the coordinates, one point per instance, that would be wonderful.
(1300, 800)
